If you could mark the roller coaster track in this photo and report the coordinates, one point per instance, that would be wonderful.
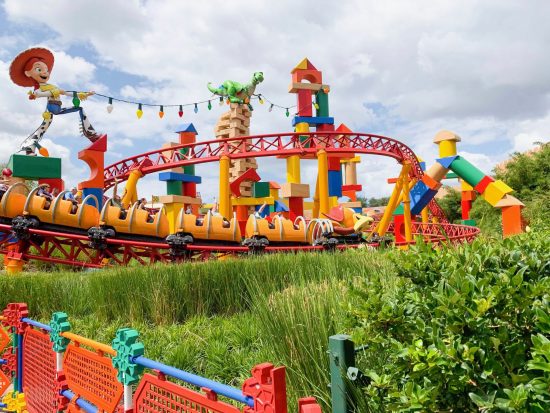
(281, 145)
(75, 250)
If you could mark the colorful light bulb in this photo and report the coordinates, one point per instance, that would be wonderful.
(209, 105)
(139, 112)
(110, 105)
(161, 112)
(287, 113)
(260, 99)
(271, 107)
(221, 100)
(76, 100)
(180, 112)
(196, 109)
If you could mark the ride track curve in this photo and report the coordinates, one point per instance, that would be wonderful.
(75, 249)
(278, 144)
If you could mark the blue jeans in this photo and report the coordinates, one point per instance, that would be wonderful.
(56, 109)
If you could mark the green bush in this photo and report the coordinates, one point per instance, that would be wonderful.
(463, 329)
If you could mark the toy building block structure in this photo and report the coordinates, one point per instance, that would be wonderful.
(94, 156)
(35, 167)
(233, 124)
(512, 222)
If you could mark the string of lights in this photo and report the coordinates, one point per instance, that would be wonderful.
(140, 105)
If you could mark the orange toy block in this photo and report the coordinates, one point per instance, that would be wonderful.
(512, 222)
(96, 162)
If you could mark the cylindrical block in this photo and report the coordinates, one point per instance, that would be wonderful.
(351, 173)
(447, 148)
(466, 171)
(225, 200)
(437, 172)
(322, 170)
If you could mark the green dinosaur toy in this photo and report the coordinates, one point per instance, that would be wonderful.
(237, 92)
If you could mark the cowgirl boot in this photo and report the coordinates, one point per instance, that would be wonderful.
(38, 134)
(87, 129)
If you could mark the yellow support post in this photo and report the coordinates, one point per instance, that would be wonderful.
(322, 174)
(225, 195)
(407, 210)
(130, 193)
(384, 223)
(424, 215)
(315, 212)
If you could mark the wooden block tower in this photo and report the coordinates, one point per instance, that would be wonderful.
(233, 124)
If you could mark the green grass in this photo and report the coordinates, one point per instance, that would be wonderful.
(219, 318)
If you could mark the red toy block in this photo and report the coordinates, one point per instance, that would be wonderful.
(466, 206)
(399, 229)
(304, 103)
(189, 189)
(392, 180)
(55, 183)
(352, 187)
(483, 184)
(296, 207)
(334, 163)
(249, 175)
(187, 137)
(312, 76)
(99, 145)
(325, 127)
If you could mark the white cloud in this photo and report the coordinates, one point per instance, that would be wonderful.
(476, 67)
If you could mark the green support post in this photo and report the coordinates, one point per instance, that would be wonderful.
(342, 356)
(322, 101)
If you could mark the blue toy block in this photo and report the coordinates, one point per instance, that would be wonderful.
(97, 192)
(177, 176)
(313, 120)
(359, 210)
(265, 212)
(335, 183)
(447, 161)
(422, 165)
(187, 127)
(420, 195)
(280, 207)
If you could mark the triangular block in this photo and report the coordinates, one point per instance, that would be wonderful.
(187, 127)
(305, 64)
(343, 128)
(447, 161)
(100, 145)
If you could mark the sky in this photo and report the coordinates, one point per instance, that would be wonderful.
(398, 68)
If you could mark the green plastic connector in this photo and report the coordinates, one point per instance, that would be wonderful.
(59, 324)
(126, 346)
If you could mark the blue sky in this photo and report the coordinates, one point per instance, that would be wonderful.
(478, 68)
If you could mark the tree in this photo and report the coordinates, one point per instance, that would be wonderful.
(450, 203)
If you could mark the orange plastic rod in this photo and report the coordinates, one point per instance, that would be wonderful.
(90, 343)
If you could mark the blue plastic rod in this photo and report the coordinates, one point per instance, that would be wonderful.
(36, 324)
(219, 388)
(2, 361)
(86, 406)
(20, 361)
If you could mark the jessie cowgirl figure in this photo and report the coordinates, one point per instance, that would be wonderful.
(33, 68)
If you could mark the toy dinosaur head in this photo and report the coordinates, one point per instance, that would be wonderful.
(258, 77)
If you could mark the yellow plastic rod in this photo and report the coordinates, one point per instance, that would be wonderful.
(425, 217)
(90, 343)
(384, 223)
(225, 195)
(407, 209)
(322, 171)
(315, 212)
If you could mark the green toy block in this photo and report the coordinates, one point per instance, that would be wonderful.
(260, 189)
(189, 169)
(35, 167)
(322, 101)
(399, 210)
(470, 222)
(466, 171)
(174, 188)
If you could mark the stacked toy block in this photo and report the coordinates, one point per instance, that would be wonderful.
(512, 221)
(36, 168)
(94, 156)
(468, 196)
(233, 124)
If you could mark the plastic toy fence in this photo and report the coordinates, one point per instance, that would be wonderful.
(53, 370)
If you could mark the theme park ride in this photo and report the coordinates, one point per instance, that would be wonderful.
(251, 215)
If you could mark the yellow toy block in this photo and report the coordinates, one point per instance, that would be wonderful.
(293, 190)
(252, 201)
(495, 192)
(465, 186)
(332, 201)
